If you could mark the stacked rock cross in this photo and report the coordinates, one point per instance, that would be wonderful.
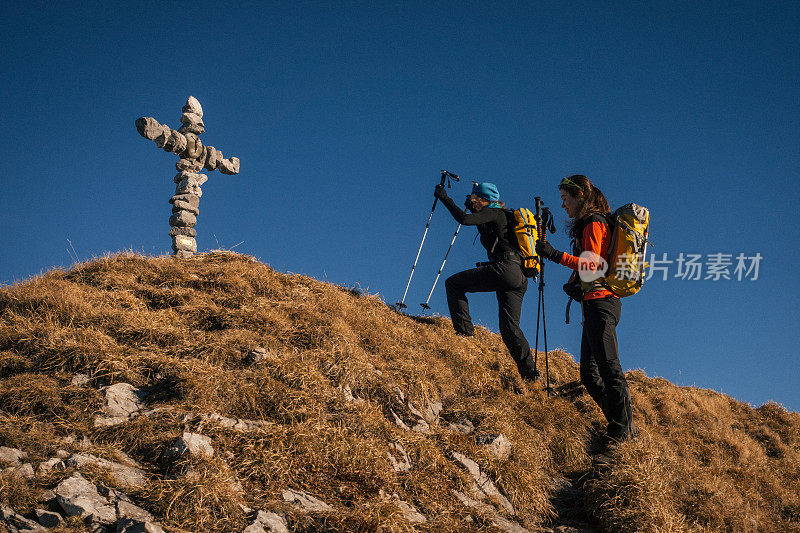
(186, 144)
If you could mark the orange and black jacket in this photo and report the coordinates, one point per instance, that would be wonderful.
(595, 237)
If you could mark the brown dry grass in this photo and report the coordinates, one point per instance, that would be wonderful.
(704, 462)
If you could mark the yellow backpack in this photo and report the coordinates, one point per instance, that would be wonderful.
(526, 232)
(627, 250)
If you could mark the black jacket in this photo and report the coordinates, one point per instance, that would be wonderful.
(493, 225)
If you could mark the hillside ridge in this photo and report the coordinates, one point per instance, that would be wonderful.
(216, 394)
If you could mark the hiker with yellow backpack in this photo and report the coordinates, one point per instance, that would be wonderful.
(608, 259)
(506, 273)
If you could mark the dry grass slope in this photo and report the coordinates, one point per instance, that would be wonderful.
(703, 462)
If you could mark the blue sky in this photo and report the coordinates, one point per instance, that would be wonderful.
(343, 113)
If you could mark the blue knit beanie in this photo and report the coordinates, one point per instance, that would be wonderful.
(487, 191)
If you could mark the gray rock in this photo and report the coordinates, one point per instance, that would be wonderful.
(17, 522)
(213, 157)
(305, 502)
(183, 254)
(464, 426)
(48, 518)
(79, 380)
(185, 206)
(497, 445)
(189, 199)
(193, 444)
(267, 522)
(183, 219)
(24, 470)
(184, 242)
(193, 147)
(178, 142)
(131, 476)
(193, 106)
(402, 463)
(11, 456)
(497, 520)
(483, 484)
(192, 177)
(163, 138)
(236, 424)
(192, 123)
(129, 525)
(79, 497)
(149, 128)
(177, 230)
(409, 511)
(189, 165)
(123, 401)
(190, 184)
(128, 510)
(229, 166)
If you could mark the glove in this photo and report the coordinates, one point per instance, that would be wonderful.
(546, 250)
(439, 192)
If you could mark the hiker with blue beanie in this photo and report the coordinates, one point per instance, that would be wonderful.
(502, 274)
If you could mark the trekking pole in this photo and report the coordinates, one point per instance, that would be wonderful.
(538, 218)
(425, 305)
(547, 224)
(446, 175)
(544, 223)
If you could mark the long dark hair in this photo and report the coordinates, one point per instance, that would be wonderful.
(592, 200)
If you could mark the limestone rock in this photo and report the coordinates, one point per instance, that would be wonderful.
(11, 456)
(189, 165)
(24, 470)
(79, 380)
(483, 485)
(193, 147)
(79, 497)
(183, 219)
(193, 106)
(163, 138)
(177, 142)
(213, 157)
(185, 243)
(189, 199)
(267, 522)
(192, 123)
(464, 426)
(149, 128)
(183, 254)
(129, 525)
(48, 518)
(184, 206)
(236, 424)
(177, 230)
(193, 444)
(193, 177)
(401, 463)
(131, 476)
(123, 401)
(190, 184)
(229, 166)
(17, 522)
(409, 511)
(498, 445)
(48, 466)
(305, 502)
(497, 520)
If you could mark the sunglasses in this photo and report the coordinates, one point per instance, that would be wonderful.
(569, 183)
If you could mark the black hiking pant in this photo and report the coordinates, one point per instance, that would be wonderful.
(601, 372)
(505, 278)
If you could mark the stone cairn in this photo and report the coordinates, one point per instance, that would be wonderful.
(186, 144)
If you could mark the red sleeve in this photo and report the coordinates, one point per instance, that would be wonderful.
(595, 237)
